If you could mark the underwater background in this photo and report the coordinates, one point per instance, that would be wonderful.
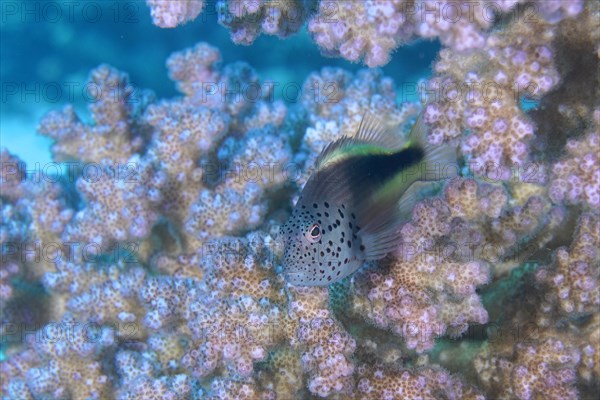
(150, 151)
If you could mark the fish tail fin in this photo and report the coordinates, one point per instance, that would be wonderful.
(439, 162)
(381, 232)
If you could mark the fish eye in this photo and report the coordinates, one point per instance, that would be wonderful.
(314, 233)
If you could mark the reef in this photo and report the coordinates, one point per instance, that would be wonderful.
(366, 31)
(149, 265)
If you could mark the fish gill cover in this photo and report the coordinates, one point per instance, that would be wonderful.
(145, 261)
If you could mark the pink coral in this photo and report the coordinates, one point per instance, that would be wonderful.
(112, 137)
(374, 29)
(538, 370)
(63, 361)
(573, 280)
(125, 200)
(369, 30)
(575, 178)
(412, 301)
(426, 383)
(170, 13)
(233, 310)
(327, 347)
(248, 19)
(210, 313)
(487, 103)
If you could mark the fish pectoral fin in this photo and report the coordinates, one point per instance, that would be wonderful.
(380, 232)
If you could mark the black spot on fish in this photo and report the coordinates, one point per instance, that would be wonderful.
(326, 214)
(326, 205)
(341, 213)
(362, 247)
(315, 205)
(349, 244)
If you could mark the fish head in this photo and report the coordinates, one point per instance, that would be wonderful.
(320, 244)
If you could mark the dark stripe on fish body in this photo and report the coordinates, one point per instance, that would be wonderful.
(383, 167)
(366, 174)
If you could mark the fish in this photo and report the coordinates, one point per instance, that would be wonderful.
(361, 192)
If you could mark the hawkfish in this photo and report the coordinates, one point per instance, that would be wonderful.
(361, 192)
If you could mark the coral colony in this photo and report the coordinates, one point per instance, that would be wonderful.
(150, 266)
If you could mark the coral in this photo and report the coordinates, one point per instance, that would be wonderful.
(224, 389)
(170, 13)
(575, 178)
(234, 89)
(99, 294)
(113, 136)
(369, 30)
(539, 370)
(373, 30)
(187, 130)
(483, 97)
(248, 19)
(284, 373)
(232, 312)
(63, 362)
(11, 176)
(13, 224)
(553, 321)
(573, 279)
(327, 347)
(126, 200)
(244, 175)
(139, 380)
(166, 230)
(429, 383)
(417, 304)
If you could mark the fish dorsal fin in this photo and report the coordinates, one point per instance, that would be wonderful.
(372, 131)
(334, 150)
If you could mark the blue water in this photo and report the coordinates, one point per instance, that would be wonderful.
(48, 49)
